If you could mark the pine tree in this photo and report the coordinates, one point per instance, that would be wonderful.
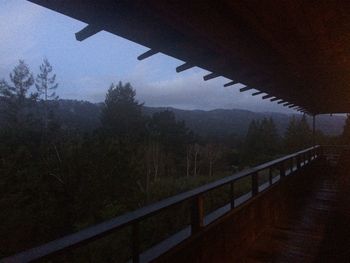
(15, 95)
(46, 85)
(122, 115)
(298, 134)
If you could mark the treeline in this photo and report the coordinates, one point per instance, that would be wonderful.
(54, 181)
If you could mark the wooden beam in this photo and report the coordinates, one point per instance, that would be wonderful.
(230, 83)
(147, 54)
(257, 93)
(287, 103)
(86, 32)
(280, 102)
(274, 99)
(183, 67)
(210, 76)
(267, 96)
(245, 89)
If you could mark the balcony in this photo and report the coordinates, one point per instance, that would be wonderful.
(294, 211)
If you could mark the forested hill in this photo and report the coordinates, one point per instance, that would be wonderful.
(224, 122)
(84, 116)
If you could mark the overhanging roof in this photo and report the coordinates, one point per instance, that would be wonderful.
(298, 50)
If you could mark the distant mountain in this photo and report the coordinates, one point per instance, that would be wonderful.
(84, 116)
(223, 122)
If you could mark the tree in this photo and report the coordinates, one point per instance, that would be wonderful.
(121, 115)
(46, 85)
(270, 137)
(298, 134)
(22, 80)
(261, 142)
(15, 95)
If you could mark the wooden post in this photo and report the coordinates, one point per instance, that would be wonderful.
(313, 130)
(232, 194)
(255, 184)
(135, 242)
(282, 171)
(270, 175)
(298, 162)
(197, 215)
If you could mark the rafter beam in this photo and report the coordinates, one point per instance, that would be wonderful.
(210, 76)
(230, 83)
(267, 96)
(184, 67)
(147, 54)
(86, 32)
(245, 89)
(257, 93)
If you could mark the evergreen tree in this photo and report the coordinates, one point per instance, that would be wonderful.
(15, 95)
(298, 134)
(121, 115)
(46, 85)
(269, 137)
(261, 143)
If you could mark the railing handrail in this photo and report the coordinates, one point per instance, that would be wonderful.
(102, 229)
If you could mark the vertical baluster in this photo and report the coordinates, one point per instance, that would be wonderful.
(270, 175)
(309, 156)
(282, 171)
(232, 194)
(255, 185)
(298, 162)
(197, 214)
(136, 242)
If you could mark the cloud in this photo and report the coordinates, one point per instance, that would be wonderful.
(190, 91)
(185, 90)
(18, 20)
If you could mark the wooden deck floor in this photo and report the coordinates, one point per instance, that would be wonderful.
(319, 232)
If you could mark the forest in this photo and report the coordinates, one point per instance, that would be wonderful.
(55, 180)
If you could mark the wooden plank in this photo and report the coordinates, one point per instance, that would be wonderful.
(267, 96)
(147, 54)
(86, 32)
(230, 83)
(245, 89)
(197, 214)
(210, 76)
(184, 67)
(257, 93)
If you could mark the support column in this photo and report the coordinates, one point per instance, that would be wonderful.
(313, 130)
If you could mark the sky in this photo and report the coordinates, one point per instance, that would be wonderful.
(86, 69)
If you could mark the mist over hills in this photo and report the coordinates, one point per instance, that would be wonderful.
(84, 116)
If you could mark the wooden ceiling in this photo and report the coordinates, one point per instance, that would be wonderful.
(298, 51)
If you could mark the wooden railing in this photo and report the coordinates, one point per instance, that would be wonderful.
(288, 163)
